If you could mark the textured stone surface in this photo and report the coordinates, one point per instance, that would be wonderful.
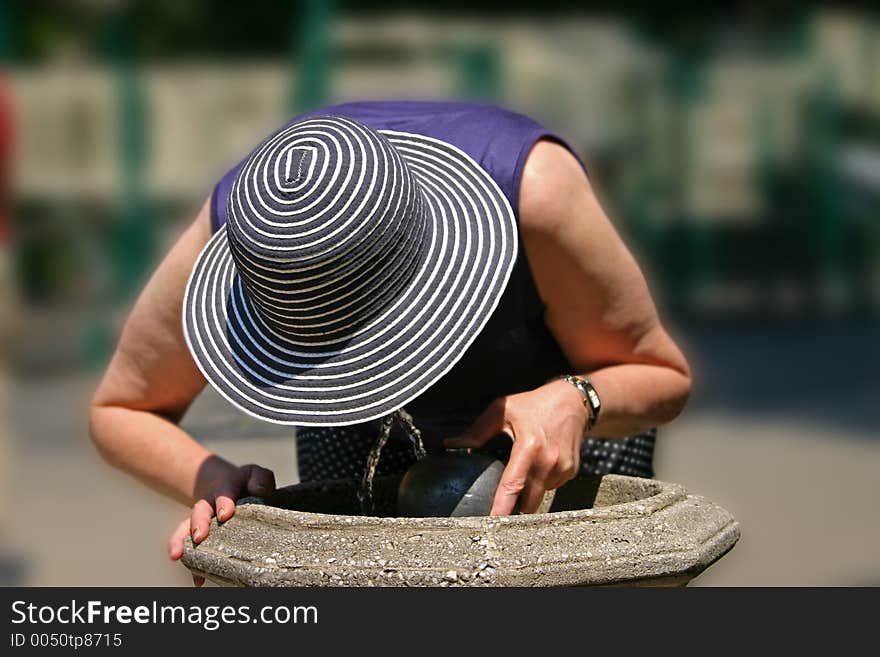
(639, 531)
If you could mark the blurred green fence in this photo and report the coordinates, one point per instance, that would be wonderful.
(743, 165)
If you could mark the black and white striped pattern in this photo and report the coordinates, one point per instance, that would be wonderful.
(354, 269)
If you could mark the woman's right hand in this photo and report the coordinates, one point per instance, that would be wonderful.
(218, 485)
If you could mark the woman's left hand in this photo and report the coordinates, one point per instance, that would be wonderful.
(547, 427)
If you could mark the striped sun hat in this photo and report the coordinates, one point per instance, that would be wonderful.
(355, 268)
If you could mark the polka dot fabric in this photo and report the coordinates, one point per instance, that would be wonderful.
(341, 453)
(631, 456)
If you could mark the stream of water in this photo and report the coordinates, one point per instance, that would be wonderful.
(413, 432)
(404, 419)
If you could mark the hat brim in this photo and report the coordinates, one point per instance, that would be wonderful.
(471, 249)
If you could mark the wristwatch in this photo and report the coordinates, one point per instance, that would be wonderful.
(591, 397)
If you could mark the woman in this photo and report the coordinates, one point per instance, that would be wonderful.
(448, 257)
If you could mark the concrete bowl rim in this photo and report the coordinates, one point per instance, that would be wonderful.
(665, 494)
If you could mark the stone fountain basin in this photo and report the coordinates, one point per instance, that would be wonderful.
(636, 531)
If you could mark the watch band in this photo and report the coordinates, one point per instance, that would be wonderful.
(591, 397)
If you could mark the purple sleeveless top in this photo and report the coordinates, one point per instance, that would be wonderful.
(515, 351)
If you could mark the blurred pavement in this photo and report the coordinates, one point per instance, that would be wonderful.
(75, 521)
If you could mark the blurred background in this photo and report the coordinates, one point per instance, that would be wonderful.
(738, 153)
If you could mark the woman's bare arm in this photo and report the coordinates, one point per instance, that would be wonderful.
(152, 379)
(150, 382)
(600, 311)
(598, 306)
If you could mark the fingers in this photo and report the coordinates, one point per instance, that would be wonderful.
(257, 481)
(561, 470)
(200, 520)
(532, 496)
(575, 462)
(488, 425)
(175, 546)
(539, 462)
(225, 505)
(253, 480)
(545, 453)
(513, 480)
(535, 466)
(175, 543)
(260, 481)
